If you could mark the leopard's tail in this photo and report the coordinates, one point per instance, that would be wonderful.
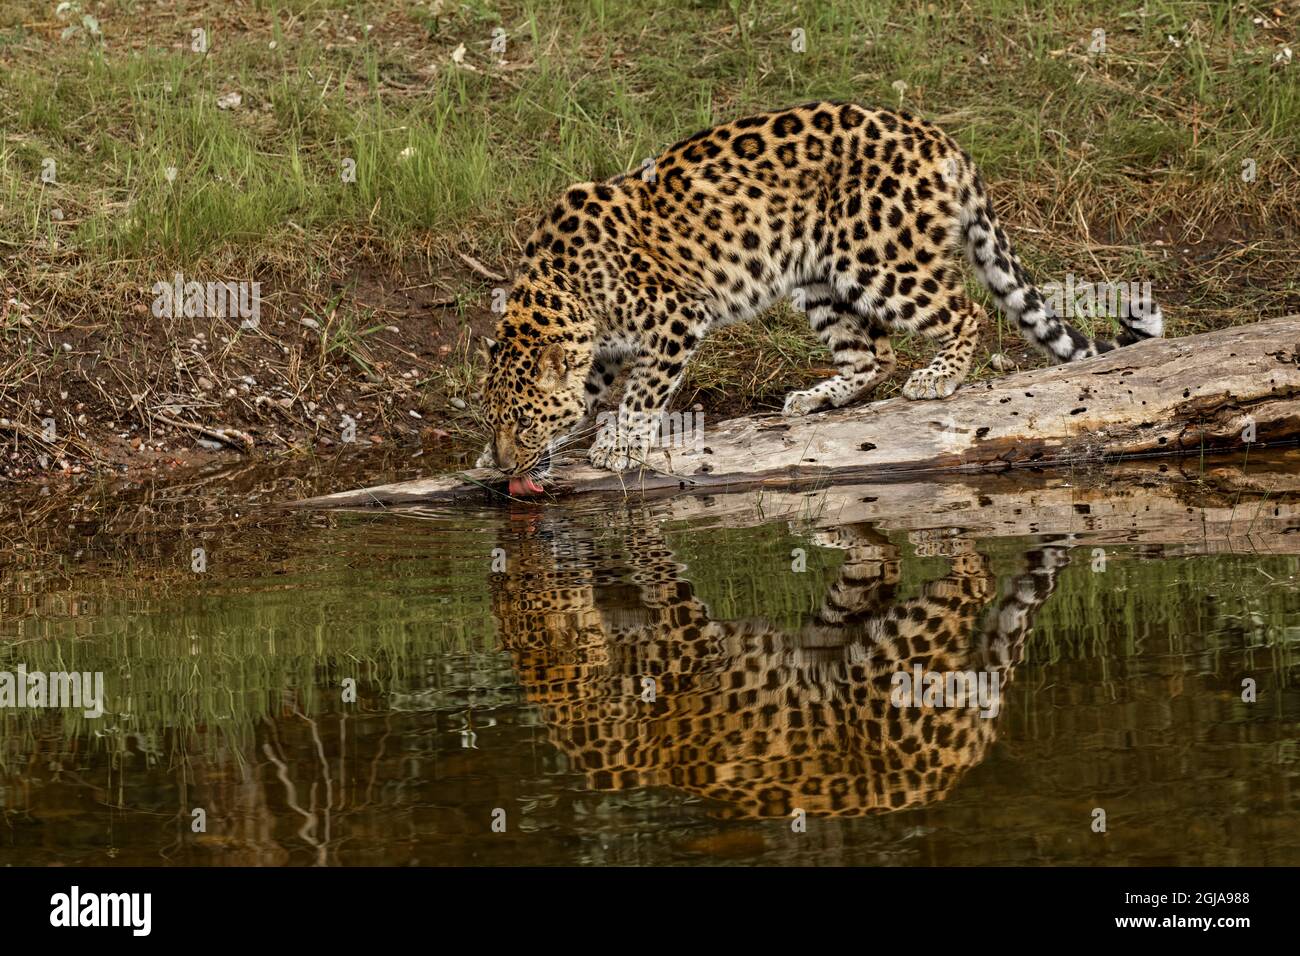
(990, 252)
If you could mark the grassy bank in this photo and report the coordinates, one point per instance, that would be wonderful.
(375, 166)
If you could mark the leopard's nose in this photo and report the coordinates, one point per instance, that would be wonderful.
(505, 456)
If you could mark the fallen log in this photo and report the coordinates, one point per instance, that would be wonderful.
(1164, 397)
(1206, 507)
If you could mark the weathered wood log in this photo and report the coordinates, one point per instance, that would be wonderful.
(1189, 507)
(1163, 397)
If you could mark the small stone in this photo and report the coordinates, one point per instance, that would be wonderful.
(458, 403)
(1001, 362)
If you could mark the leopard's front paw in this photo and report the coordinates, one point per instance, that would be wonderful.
(615, 450)
(801, 403)
(609, 456)
(928, 382)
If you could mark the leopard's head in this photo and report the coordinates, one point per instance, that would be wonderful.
(532, 395)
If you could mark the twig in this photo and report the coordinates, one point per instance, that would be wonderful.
(229, 436)
(481, 269)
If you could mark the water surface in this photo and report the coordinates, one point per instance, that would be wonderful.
(675, 681)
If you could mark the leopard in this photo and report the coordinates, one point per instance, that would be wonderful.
(863, 218)
(760, 718)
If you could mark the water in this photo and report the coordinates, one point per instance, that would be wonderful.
(661, 682)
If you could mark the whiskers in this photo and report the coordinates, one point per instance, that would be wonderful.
(557, 452)
(568, 441)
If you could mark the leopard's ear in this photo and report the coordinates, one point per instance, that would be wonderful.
(552, 365)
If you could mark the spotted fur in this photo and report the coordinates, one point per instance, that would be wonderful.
(861, 216)
(758, 718)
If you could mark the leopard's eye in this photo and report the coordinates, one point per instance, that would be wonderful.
(525, 422)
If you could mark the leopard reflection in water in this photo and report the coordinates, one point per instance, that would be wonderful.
(761, 719)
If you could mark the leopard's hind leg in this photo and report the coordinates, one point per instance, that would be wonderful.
(955, 325)
(930, 302)
(859, 346)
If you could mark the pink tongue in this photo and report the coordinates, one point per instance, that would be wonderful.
(525, 486)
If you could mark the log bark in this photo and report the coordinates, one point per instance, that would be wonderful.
(1160, 398)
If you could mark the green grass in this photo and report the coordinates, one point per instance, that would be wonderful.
(599, 87)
